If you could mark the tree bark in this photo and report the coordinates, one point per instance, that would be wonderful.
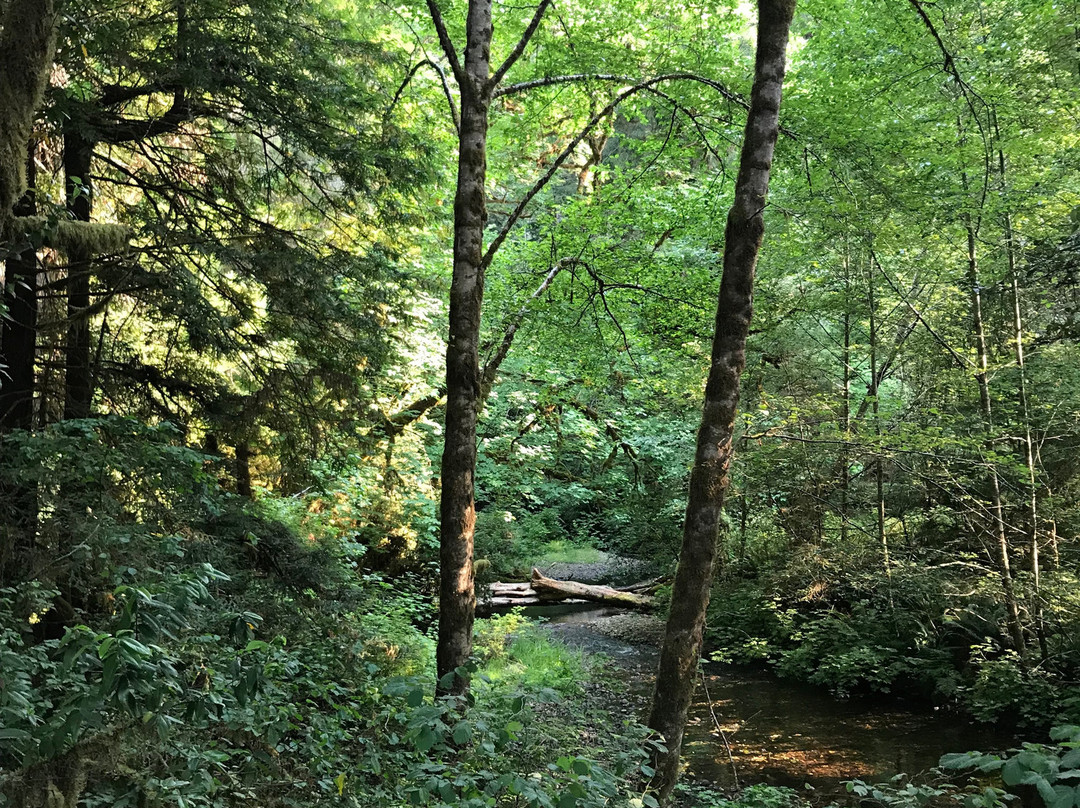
(243, 470)
(845, 406)
(1012, 607)
(27, 42)
(457, 515)
(18, 331)
(709, 478)
(18, 344)
(1025, 414)
(78, 380)
(875, 408)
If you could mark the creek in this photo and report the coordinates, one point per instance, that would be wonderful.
(775, 731)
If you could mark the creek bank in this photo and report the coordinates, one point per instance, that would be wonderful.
(749, 726)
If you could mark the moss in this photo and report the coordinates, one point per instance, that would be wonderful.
(27, 42)
(89, 238)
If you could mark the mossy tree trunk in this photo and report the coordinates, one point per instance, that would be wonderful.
(18, 344)
(457, 513)
(27, 42)
(78, 383)
(709, 478)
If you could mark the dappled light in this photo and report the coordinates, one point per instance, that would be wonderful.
(475, 404)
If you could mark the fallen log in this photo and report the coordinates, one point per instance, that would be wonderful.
(645, 587)
(510, 589)
(534, 600)
(553, 589)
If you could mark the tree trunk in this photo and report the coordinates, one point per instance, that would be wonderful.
(1029, 448)
(457, 515)
(709, 478)
(18, 343)
(78, 381)
(27, 41)
(875, 408)
(1012, 607)
(845, 407)
(18, 331)
(243, 470)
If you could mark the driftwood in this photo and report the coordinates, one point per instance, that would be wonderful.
(560, 590)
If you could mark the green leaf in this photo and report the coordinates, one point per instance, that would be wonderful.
(957, 760)
(1066, 732)
(426, 739)
(463, 732)
(415, 697)
(566, 800)
(1064, 797)
(1014, 772)
(106, 647)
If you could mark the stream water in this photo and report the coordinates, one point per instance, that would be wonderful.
(769, 730)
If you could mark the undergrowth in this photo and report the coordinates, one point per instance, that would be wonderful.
(179, 647)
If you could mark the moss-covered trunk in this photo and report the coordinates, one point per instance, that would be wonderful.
(709, 477)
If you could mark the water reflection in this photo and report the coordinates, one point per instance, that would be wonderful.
(785, 733)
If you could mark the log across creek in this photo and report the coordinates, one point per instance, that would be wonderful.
(542, 589)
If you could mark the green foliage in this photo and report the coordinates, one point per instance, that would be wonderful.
(514, 651)
(826, 621)
(231, 661)
(1053, 770)
(755, 796)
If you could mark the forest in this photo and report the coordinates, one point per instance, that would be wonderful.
(459, 403)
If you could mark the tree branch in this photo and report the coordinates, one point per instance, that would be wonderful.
(125, 130)
(491, 367)
(522, 43)
(446, 43)
(446, 91)
(549, 81)
(960, 360)
(504, 231)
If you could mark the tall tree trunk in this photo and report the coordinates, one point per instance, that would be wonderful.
(27, 41)
(845, 407)
(243, 470)
(78, 383)
(709, 478)
(18, 343)
(1012, 607)
(875, 409)
(1025, 414)
(18, 331)
(457, 516)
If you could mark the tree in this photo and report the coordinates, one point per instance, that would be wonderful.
(743, 234)
(27, 39)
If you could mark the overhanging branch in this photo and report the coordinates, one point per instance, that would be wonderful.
(445, 87)
(446, 43)
(504, 231)
(522, 43)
